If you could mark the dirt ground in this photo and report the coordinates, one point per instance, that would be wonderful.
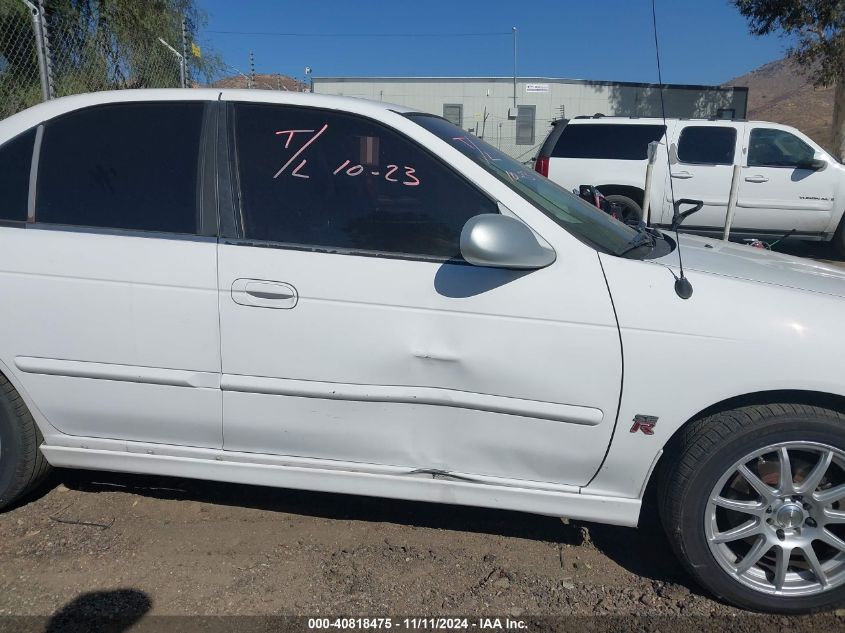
(96, 544)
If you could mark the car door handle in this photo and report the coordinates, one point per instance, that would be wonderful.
(258, 293)
(756, 179)
(681, 175)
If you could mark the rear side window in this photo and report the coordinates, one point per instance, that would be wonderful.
(707, 145)
(122, 166)
(15, 161)
(607, 141)
(318, 178)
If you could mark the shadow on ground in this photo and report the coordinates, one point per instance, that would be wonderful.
(101, 612)
(643, 551)
(815, 250)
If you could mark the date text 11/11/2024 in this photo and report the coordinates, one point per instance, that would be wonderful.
(344, 167)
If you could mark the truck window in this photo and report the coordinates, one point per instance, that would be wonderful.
(707, 145)
(607, 141)
(777, 148)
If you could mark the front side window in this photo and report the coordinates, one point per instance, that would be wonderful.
(607, 141)
(122, 166)
(707, 145)
(325, 179)
(777, 148)
(15, 162)
(583, 220)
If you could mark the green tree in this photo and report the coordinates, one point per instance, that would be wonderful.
(817, 29)
(99, 45)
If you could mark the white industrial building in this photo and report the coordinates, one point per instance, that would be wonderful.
(485, 105)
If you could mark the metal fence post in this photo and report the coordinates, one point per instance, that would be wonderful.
(38, 29)
(729, 215)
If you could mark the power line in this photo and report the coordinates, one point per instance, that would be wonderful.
(275, 34)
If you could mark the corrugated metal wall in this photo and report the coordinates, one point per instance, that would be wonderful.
(553, 99)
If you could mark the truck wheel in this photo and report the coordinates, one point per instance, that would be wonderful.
(839, 239)
(22, 466)
(754, 505)
(632, 212)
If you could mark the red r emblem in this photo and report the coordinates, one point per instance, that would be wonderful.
(644, 423)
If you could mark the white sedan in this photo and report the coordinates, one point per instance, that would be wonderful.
(331, 294)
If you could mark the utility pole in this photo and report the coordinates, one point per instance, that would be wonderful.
(514, 67)
(183, 63)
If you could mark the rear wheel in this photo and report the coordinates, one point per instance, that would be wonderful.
(755, 506)
(22, 466)
(839, 239)
(632, 213)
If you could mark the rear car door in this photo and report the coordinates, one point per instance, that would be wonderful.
(354, 336)
(702, 167)
(108, 271)
(779, 191)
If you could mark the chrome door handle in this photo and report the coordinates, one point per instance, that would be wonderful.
(258, 293)
(681, 175)
(756, 179)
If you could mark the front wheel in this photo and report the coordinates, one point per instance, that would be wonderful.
(754, 505)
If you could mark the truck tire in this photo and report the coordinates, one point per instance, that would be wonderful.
(22, 466)
(839, 239)
(754, 505)
(632, 212)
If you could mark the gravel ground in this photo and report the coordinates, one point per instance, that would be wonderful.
(139, 547)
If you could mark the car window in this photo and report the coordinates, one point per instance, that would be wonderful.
(707, 145)
(15, 161)
(777, 148)
(607, 141)
(583, 220)
(318, 178)
(122, 166)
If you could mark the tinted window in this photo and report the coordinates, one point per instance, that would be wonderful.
(708, 145)
(581, 219)
(124, 166)
(318, 178)
(616, 142)
(15, 161)
(777, 148)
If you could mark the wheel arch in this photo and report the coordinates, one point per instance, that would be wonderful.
(831, 401)
(634, 193)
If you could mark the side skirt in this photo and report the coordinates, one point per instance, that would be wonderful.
(367, 480)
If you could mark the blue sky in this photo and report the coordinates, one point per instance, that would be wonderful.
(701, 41)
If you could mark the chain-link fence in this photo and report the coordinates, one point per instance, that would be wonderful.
(47, 54)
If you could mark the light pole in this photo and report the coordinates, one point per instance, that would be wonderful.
(514, 67)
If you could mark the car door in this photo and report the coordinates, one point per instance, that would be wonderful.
(354, 335)
(779, 190)
(108, 271)
(702, 163)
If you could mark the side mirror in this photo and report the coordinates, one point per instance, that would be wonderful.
(817, 163)
(500, 241)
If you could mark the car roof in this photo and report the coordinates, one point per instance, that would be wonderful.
(55, 107)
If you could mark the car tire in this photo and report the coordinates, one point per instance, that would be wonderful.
(632, 213)
(704, 494)
(22, 466)
(839, 239)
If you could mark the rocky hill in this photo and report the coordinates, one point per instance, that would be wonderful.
(262, 82)
(780, 92)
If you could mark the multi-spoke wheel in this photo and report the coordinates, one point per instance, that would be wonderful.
(755, 506)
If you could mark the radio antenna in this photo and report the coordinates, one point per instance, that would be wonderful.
(683, 288)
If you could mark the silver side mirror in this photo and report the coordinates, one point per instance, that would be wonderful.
(501, 241)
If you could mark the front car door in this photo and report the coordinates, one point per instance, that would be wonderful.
(702, 167)
(108, 269)
(354, 335)
(779, 191)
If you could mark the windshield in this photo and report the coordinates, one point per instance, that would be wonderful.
(583, 220)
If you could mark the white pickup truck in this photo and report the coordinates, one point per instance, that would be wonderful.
(787, 182)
